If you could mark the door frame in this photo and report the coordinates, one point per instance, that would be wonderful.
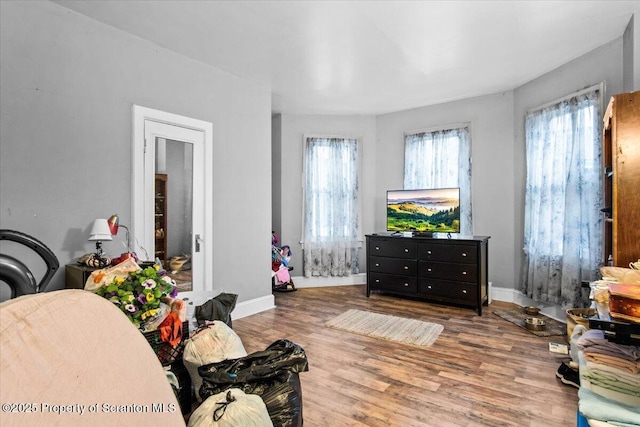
(143, 174)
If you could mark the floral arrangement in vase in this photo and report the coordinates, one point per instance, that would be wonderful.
(140, 294)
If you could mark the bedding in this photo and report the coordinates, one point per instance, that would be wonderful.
(71, 358)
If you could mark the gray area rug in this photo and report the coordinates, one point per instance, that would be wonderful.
(517, 317)
(399, 329)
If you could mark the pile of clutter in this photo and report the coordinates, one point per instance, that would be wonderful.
(280, 258)
(239, 389)
(605, 365)
(233, 388)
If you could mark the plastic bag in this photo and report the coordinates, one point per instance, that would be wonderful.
(600, 296)
(231, 408)
(213, 343)
(283, 399)
(620, 274)
(192, 300)
(99, 278)
(576, 333)
(152, 323)
(217, 308)
(271, 374)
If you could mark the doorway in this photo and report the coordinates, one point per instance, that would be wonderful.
(174, 221)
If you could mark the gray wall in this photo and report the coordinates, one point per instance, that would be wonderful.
(628, 65)
(292, 128)
(491, 123)
(497, 139)
(600, 65)
(631, 55)
(278, 171)
(67, 86)
(498, 150)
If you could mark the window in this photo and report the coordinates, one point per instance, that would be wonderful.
(441, 159)
(563, 197)
(331, 207)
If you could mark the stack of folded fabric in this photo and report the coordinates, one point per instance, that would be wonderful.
(609, 379)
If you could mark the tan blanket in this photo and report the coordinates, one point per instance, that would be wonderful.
(71, 358)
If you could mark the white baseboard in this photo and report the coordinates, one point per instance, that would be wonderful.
(319, 282)
(257, 305)
(517, 297)
(254, 306)
(242, 309)
(495, 293)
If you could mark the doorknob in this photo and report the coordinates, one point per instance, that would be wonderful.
(198, 241)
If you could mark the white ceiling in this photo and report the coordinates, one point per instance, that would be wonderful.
(372, 57)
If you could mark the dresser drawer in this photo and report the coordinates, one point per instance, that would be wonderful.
(448, 271)
(448, 253)
(388, 282)
(453, 291)
(408, 267)
(395, 248)
(437, 269)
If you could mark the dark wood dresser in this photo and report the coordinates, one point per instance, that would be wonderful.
(445, 270)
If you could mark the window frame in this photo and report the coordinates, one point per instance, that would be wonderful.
(358, 139)
(597, 87)
(444, 128)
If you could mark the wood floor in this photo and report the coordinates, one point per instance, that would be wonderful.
(482, 371)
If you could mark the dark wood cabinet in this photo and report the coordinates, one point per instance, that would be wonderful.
(621, 156)
(76, 275)
(161, 218)
(445, 270)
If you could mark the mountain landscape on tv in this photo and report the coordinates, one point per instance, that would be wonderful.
(423, 214)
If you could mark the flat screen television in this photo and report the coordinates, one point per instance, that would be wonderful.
(434, 210)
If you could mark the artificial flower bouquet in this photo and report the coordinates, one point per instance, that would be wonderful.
(139, 293)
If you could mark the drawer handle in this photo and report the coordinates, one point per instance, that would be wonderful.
(428, 252)
(406, 250)
(377, 265)
(464, 254)
(406, 285)
(428, 269)
(464, 291)
(406, 267)
(377, 280)
(428, 286)
(377, 248)
(464, 273)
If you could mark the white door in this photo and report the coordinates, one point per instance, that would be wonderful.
(153, 131)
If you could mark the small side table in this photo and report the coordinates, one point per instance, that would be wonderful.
(76, 275)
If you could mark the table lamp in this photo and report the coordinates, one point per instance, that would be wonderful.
(114, 226)
(100, 232)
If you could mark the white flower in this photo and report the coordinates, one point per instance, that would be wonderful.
(168, 280)
(149, 284)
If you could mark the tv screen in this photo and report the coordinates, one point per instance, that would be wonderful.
(429, 210)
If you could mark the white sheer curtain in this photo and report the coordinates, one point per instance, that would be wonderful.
(441, 159)
(563, 223)
(331, 224)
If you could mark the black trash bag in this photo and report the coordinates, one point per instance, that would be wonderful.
(271, 374)
(218, 308)
(283, 399)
